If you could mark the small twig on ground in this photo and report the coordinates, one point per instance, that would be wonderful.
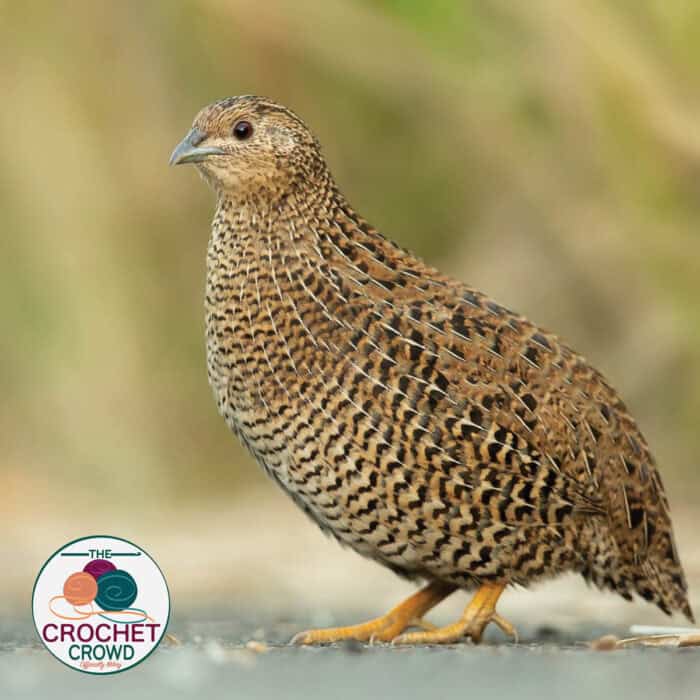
(650, 637)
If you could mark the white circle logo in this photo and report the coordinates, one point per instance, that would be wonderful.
(100, 604)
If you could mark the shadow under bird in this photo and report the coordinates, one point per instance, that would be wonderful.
(410, 416)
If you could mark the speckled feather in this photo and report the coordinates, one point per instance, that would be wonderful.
(411, 417)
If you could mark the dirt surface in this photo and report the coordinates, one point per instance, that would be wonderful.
(239, 657)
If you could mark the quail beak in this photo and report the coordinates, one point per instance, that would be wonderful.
(189, 150)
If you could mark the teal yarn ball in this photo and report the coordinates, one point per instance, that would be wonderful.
(116, 590)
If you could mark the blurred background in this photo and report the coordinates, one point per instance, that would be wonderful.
(546, 152)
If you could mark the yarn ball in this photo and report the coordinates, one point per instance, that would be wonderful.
(116, 590)
(98, 567)
(80, 588)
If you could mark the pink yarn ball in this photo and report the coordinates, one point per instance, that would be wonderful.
(98, 567)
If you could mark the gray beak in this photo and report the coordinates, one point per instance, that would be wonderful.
(188, 150)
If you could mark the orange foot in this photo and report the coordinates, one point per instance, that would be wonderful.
(409, 613)
(477, 615)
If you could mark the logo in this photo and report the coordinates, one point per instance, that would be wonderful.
(100, 604)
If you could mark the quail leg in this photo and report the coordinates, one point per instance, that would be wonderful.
(477, 615)
(385, 628)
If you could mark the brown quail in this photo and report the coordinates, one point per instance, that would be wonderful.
(409, 415)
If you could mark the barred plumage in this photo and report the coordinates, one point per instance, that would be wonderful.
(410, 416)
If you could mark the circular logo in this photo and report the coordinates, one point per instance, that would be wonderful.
(100, 604)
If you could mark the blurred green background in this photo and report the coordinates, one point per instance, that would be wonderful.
(547, 152)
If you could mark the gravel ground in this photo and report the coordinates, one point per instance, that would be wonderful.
(240, 658)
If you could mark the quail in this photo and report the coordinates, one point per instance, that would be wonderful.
(410, 416)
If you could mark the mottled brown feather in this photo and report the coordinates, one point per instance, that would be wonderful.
(413, 418)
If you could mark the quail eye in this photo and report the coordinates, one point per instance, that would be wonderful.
(243, 130)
